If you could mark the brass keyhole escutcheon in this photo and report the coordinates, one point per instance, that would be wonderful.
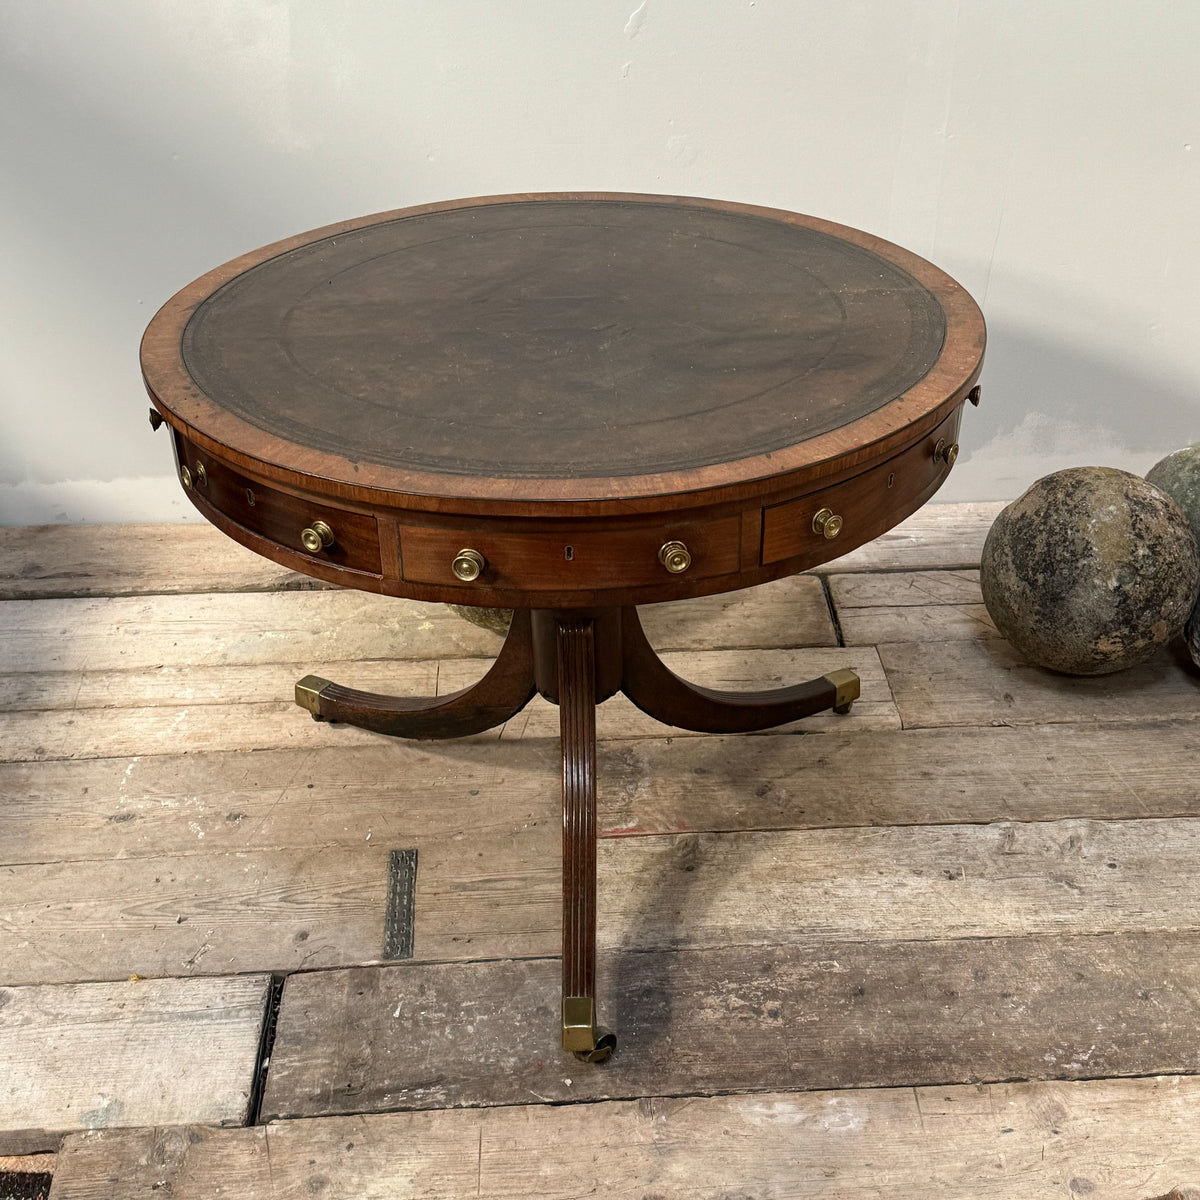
(826, 521)
(676, 557)
(185, 476)
(317, 537)
(468, 565)
(946, 452)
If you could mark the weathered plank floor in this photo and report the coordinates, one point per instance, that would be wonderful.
(948, 945)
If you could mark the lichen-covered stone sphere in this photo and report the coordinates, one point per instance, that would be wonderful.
(1090, 571)
(494, 620)
(1179, 476)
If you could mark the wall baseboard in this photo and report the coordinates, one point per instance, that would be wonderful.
(95, 502)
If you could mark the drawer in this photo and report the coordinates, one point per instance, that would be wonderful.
(569, 558)
(278, 516)
(867, 505)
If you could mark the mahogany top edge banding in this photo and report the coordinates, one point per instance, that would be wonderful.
(835, 453)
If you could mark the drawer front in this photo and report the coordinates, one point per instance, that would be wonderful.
(568, 560)
(867, 505)
(278, 516)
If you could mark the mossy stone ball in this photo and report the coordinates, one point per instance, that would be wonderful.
(494, 620)
(1090, 571)
(1179, 476)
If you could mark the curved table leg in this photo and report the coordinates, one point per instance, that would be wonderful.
(577, 722)
(660, 693)
(501, 693)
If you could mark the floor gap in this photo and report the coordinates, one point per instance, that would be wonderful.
(266, 1044)
(829, 604)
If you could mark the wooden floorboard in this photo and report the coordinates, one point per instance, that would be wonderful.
(152, 711)
(818, 1015)
(198, 914)
(40, 562)
(898, 589)
(1006, 879)
(1136, 1139)
(352, 794)
(145, 632)
(148, 632)
(139, 1052)
(910, 606)
(931, 624)
(983, 681)
(984, 872)
(497, 896)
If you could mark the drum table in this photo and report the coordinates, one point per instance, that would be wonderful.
(567, 405)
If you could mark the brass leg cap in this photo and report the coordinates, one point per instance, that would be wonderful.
(580, 1033)
(578, 1023)
(847, 686)
(308, 694)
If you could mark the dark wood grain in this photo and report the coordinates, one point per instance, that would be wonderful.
(869, 504)
(661, 694)
(603, 561)
(276, 515)
(577, 722)
(814, 1016)
(570, 556)
(505, 690)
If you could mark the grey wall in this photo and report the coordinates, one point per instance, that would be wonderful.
(1043, 153)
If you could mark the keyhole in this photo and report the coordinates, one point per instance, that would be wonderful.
(891, 479)
(569, 553)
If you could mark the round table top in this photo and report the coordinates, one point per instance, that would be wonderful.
(563, 347)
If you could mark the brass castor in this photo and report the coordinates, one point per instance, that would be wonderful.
(606, 1043)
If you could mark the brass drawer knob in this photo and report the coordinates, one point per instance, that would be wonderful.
(317, 537)
(946, 452)
(468, 565)
(827, 522)
(200, 475)
(676, 557)
(185, 476)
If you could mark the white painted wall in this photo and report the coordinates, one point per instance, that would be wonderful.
(1041, 152)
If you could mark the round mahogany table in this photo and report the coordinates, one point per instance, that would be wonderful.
(567, 405)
